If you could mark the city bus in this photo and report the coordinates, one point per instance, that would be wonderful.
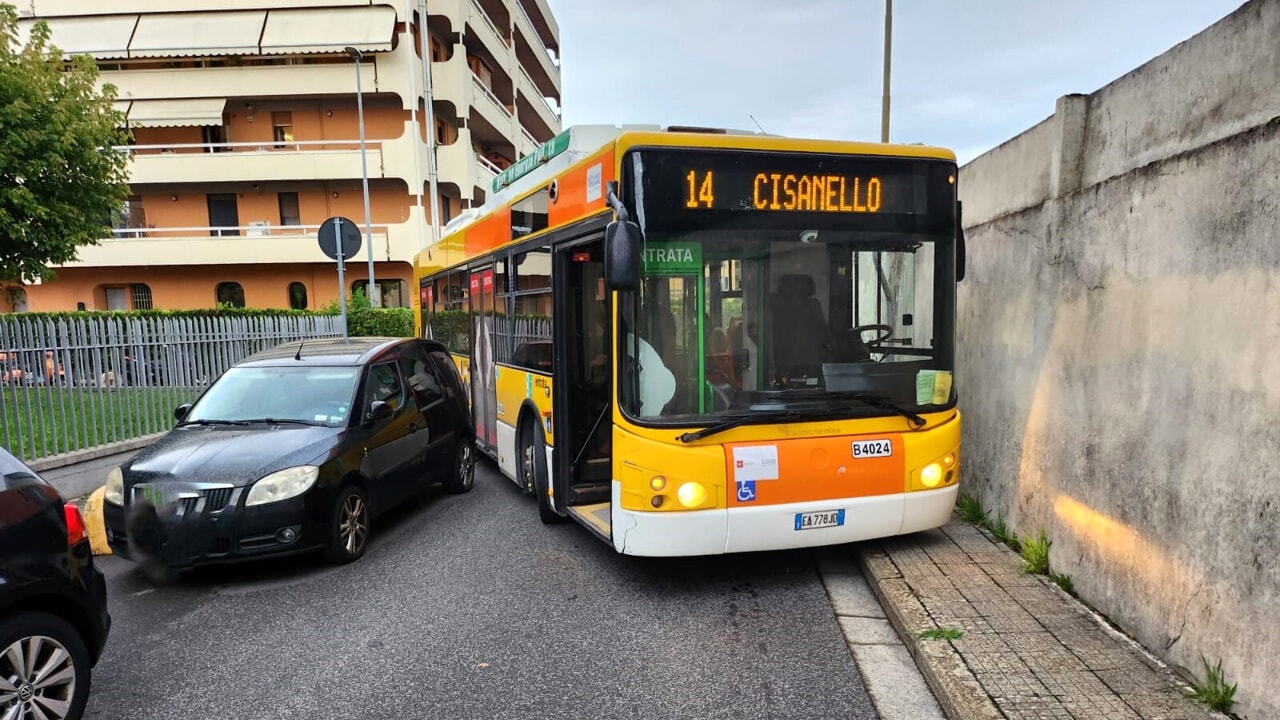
(699, 341)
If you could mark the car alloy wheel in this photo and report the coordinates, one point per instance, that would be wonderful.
(37, 679)
(464, 468)
(353, 525)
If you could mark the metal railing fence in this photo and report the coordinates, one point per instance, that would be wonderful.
(72, 383)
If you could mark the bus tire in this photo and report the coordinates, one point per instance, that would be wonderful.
(533, 460)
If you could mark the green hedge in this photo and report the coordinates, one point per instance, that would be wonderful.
(363, 320)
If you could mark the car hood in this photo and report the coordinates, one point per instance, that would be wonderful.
(237, 456)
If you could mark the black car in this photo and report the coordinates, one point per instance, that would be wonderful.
(294, 450)
(53, 601)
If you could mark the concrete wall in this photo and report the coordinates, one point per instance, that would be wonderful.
(1119, 357)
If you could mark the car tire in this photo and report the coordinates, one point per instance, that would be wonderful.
(463, 475)
(348, 526)
(45, 633)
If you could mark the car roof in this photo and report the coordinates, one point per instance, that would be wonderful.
(328, 351)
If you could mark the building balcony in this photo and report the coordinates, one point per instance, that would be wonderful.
(491, 110)
(252, 162)
(454, 83)
(494, 40)
(546, 120)
(526, 143)
(254, 244)
(536, 58)
(56, 8)
(458, 164)
(254, 81)
(544, 22)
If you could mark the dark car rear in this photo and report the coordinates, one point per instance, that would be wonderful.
(53, 600)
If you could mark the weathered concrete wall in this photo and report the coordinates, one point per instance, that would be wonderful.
(1119, 356)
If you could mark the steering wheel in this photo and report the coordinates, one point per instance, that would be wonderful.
(874, 345)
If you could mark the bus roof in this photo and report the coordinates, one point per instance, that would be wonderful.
(563, 154)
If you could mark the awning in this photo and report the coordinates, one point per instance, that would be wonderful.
(177, 113)
(104, 37)
(197, 34)
(316, 30)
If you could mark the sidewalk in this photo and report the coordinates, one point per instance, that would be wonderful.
(1028, 650)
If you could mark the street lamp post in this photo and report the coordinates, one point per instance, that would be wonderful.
(888, 45)
(375, 294)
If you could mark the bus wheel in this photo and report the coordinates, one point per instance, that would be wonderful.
(533, 463)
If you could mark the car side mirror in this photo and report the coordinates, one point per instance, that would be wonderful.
(379, 410)
(180, 412)
(622, 240)
(960, 249)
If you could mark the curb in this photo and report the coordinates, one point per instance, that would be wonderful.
(958, 692)
(76, 457)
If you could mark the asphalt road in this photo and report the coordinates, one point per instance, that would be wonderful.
(469, 607)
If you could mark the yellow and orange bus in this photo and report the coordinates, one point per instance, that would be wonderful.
(696, 341)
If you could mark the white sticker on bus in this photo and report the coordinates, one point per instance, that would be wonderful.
(595, 188)
(755, 463)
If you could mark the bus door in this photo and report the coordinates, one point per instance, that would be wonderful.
(583, 476)
(484, 399)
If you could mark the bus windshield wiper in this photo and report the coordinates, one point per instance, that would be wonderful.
(734, 421)
(880, 402)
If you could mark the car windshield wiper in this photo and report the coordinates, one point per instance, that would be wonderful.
(212, 422)
(880, 402)
(281, 421)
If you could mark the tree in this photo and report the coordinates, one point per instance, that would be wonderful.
(61, 183)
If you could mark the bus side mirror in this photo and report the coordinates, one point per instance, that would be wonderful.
(959, 243)
(622, 256)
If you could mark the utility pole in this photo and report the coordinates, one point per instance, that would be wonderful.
(888, 52)
(423, 39)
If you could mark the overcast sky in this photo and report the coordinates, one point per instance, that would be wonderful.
(966, 75)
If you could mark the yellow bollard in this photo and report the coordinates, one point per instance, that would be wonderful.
(93, 520)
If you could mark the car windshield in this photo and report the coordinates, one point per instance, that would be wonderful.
(746, 306)
(312, 395)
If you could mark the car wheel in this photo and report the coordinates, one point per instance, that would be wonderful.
(463, 476)
(349, 528)
(44, 668)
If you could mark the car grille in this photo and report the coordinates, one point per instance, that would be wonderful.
(215, 500)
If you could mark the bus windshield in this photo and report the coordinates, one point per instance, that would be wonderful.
(813, 312)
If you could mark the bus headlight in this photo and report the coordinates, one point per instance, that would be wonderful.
(692, 494)
(931, 475)
(657, 482)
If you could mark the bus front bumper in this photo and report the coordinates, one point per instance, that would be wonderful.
(773, 527)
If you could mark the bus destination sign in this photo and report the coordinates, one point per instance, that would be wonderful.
(772, 191)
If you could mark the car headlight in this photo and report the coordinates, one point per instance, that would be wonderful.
(282, 485)
(115, 487)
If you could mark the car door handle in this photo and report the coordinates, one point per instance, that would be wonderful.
(415, 427)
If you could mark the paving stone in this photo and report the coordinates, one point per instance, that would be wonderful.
(1026, 650)
(850, 595)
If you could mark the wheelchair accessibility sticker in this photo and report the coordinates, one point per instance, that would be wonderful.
(752, 464)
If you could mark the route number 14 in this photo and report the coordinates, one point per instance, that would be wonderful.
(700, 194)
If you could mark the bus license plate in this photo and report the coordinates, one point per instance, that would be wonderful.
(820, 519)
(872, 448)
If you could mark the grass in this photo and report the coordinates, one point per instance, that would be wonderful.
(1215, 692)
(940, 634)
(1035, 554)
(37, 422)
(1064, 582)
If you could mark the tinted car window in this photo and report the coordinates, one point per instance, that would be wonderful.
(312, 394)
(383, 384)
(420, 376)
(14, 474)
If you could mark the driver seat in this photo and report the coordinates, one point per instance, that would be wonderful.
(800, 330)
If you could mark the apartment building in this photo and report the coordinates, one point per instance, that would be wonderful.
(246, 138)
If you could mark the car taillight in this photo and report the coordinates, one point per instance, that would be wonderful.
(76, 530)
